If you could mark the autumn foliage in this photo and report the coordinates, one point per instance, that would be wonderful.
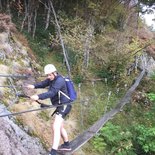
(5, 23)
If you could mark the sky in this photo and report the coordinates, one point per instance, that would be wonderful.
(148, 19)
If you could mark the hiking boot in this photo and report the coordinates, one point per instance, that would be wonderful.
(65, 147)
(53, 152)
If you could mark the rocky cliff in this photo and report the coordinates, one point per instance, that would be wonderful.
(14, 58)
(15, 141)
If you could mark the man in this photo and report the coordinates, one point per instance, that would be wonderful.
(56, 83)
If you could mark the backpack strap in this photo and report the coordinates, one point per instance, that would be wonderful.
(60, 92)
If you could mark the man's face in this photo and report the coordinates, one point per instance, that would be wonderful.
(51, 76)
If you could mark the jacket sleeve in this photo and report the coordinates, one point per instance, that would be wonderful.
(53, 90)
(42, 84)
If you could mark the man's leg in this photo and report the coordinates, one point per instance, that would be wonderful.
(64, 134)
(58, 121)
(58, 129)
(66, 145)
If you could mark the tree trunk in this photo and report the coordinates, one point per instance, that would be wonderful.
(87, 45)
(26, 15)
(61, 40)
(8, 7)
(29, 21)
(48, 16)
(0, 5)
(34, 24)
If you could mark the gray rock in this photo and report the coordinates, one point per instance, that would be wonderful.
(14, 141)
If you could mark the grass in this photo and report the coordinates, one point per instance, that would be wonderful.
(44, 115)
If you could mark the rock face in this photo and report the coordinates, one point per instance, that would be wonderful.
(14, 141)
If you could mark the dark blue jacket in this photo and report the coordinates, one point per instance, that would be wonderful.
(53, 88)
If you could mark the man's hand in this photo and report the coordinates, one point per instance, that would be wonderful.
(34, 97)
(30, 86)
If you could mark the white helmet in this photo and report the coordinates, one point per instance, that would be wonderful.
(49, 69)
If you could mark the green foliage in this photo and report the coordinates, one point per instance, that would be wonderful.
(151, 96)
(106, 73)
(152, 76)
(57, 56)
(38, 46)
(99, 144)
(149, 115)
(134, 46)
(109, 49)
(116, 19)
(113, 70)
(134, 139)
(145, 138)
(98, 99)
(113, 139)
(78, 79)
